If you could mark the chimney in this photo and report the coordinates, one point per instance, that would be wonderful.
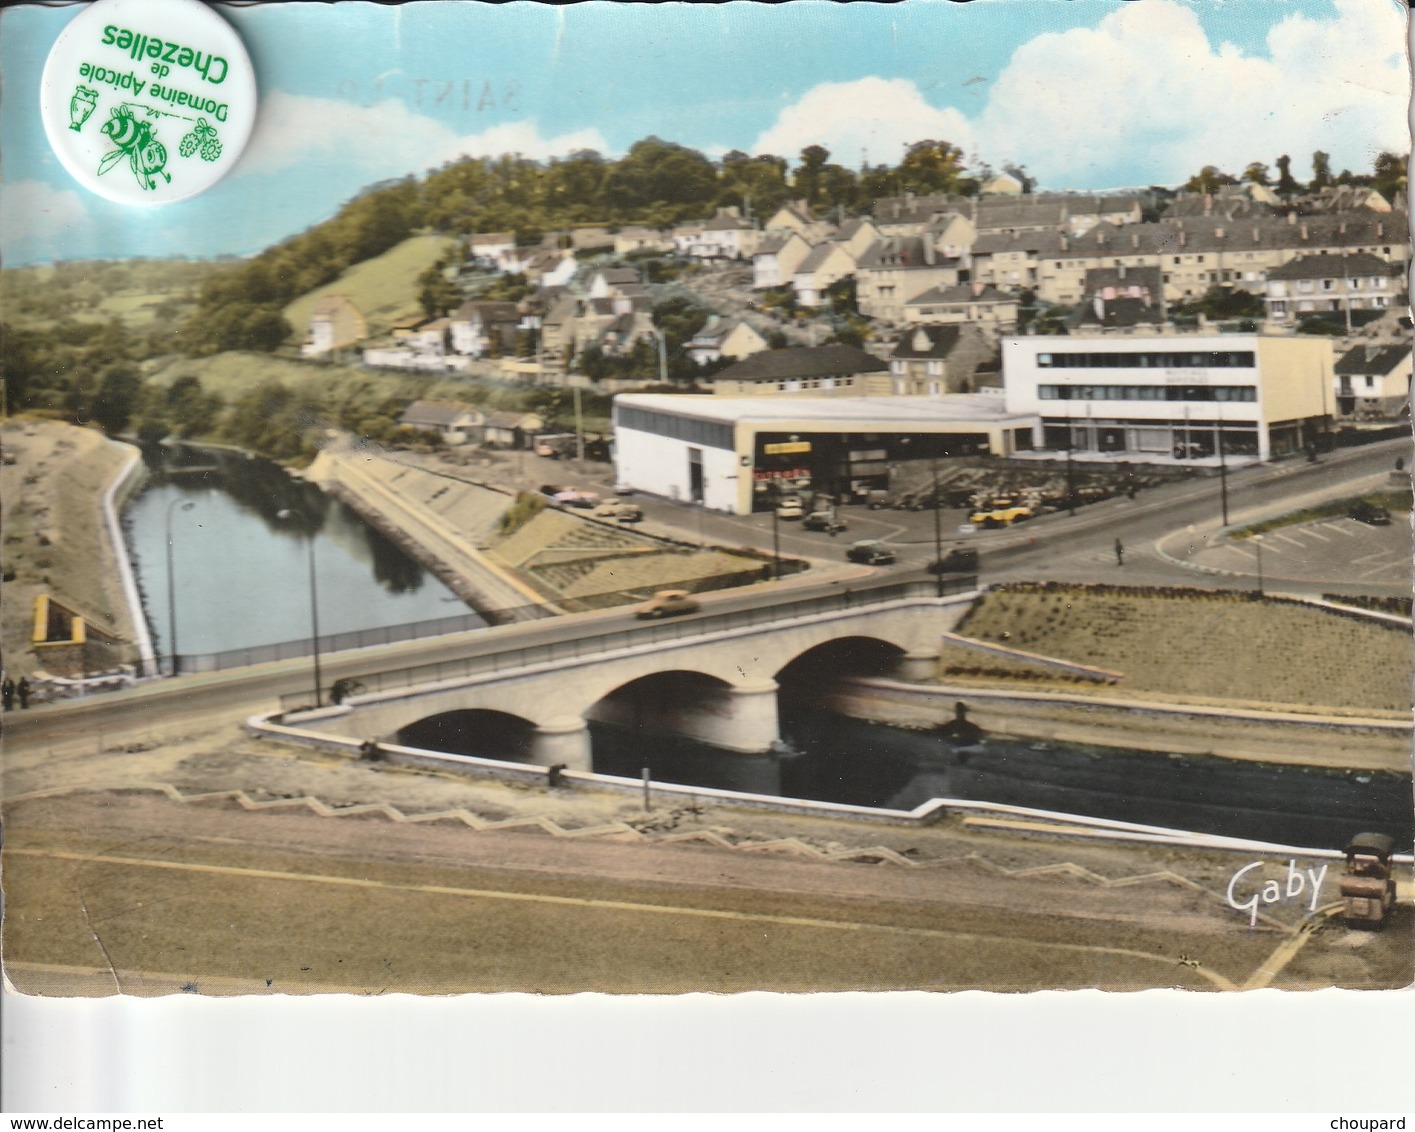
(1064, 243)
(1183, 237)
(1208, 204)
(1303, 231)
(1218, 233)
(977, 288)
(1292, 218)
(1256, 236)
(1341, 228)
(1380, 229)
(1134, 239)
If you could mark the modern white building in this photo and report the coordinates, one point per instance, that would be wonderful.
(730, 453)
(1168, 397)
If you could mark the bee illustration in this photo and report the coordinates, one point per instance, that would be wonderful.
(137, 142)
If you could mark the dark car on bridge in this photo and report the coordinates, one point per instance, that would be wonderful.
(959, 560)
(871, 552)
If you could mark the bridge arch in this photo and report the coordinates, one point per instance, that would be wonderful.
(481, 732)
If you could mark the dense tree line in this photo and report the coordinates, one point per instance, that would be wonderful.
(1387, 176)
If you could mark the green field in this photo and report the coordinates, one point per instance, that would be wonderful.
(383, 288)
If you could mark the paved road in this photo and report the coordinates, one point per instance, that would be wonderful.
(1060, 547)
(1064, 547)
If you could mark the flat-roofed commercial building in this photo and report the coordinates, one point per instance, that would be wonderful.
(733, 453)
(1164, 398)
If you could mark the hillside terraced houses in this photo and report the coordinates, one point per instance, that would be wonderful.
(1314, 284)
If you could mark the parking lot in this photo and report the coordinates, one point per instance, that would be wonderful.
(1339, 548)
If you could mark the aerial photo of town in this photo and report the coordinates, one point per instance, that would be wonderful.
(654, 499)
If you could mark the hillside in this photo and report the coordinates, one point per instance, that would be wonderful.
(383, 288)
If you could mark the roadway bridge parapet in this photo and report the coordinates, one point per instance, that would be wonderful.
(711, 678)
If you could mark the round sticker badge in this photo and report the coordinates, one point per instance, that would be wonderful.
(148, 101)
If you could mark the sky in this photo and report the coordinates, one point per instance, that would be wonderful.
(1086, 94)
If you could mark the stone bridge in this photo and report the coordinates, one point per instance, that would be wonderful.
(713, 682)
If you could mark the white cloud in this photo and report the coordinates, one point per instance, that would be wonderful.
(39, 214)
(384, 140)
(1145, 87)
(877, 116)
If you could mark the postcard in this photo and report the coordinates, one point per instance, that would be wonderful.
(654, 500)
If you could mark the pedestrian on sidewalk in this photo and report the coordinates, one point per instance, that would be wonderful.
(7, 690)
(23, 688)
(1119, 553)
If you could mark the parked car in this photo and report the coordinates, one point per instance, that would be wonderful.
(790, 508)
(871, 552)
(959, 560)
(667, 603)
(824, 521)
(1000, 515)
(1371, 514)
(622, 488)
(628, 513)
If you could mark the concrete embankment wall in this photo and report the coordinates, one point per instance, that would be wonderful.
(1352, 743)
(124, 486)
(443, 544)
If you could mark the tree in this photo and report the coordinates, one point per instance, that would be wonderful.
(1321, 171)
(661, 179)
(839, 187)
(808, 173)
(1256, 173)
(436, 293)
(1286, 183)
(117, 396)
(1390, 175)
(931, 167)
(1208, 180)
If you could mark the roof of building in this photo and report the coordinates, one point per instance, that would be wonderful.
(331, 305)
(816, 259)
(1146, 276)
(726, 221)
(961, 293)
(1126, 310)
(436, 413)
(927, 342)
(494, 311)
(1373, 358)
(503, 418)
(850, 228)
(486, 238)
(904, 253)
(617, 275)
(908, 413)
(803, 361)
(1361, 264)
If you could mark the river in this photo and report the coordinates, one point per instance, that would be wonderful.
(241, 568)
(867, 764)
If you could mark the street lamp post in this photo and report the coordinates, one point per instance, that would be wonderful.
(938, 528)
(1258, 550)
(775, 504)
(1222, 470)
(185, 505)
(307, 530)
